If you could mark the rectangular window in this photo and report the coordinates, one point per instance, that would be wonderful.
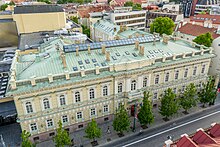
(105, 91)
(203, 69)
(92, 112)
(155, 96)
(52, 134)
(157, 79)
(91, 93)
(174, 90)
(62, 100)
(65, 119)
(119, 87)
(79, 115)
(105, 108)
(145, 82)
(33, 127)
(49, 123)
(176, 74)
(167, 77)
(194, 70)
(186, 73)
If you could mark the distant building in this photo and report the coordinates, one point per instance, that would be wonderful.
(150, 16)
(126, 17)
(214, 10)
(35, 18)
(191, 31)
(201, 18)
(104, 30)
(209, 137)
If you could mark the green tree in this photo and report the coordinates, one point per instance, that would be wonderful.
(204, 39)
(121, 121)
(188, 100)
(45, 1)
(92, 130)
(208, 92)
(25, 139)
(62, 137)
(145, 116)
(136, 7)
(86, 31)
(202, 12)
(3, 7)
(162, 25)
(74, 19)
(128, 4)
(169, 105)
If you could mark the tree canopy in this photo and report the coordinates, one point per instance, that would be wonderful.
(188, 100)
(121, 121)
(4, 6)
(73, 1)
(62, 137)
(208, 92)
(74, 19)
(25, 139)
(135, 6)
(169, 106)
(86, 30)
(162, 25)
(145, 116)
(92, 130)
(204, 39)
(45, 1)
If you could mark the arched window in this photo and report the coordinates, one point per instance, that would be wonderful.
(62, 100)
(167, 77)
(29, 108)
(120, 87)
(145, 82)
(91, 93)
(133, 85)
(46, 103)
(105, 90)
(157, 78)
(77, 96)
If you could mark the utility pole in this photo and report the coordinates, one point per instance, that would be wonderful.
(134, 124)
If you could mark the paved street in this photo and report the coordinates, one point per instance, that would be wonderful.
(155, 137)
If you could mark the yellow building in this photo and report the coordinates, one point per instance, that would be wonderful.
(35, 18)
(75, 83)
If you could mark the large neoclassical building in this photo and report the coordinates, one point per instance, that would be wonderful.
(75, 83)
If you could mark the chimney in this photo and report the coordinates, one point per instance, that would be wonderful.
(107, 55)
(174, 57)
(97, 70)
(33, 82)
(103, 48)
(184, 55)
(130, 36)
(202, 51)
(67, 75)
(83, 73)
(142, 35)
(141, 50)
(168, 143)
(165, 39)
(137, 35)
(89, 49)
(193, 44)
(211, 49)
(77, 51)
(193, 53)
(13, 83)
(50, 77)
(164, 59)
(136, 44)
(63, 58)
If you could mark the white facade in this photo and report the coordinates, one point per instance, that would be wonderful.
(134, 19)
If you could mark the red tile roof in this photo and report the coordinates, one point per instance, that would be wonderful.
(208, 138)
(196, 30)
(84, 11)
(186, 142)
(137, 1)
(203, 17)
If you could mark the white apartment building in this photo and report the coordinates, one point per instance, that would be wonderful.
(134, 19)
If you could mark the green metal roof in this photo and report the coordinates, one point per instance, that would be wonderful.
(28, 66)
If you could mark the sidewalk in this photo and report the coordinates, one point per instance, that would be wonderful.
(79, 138)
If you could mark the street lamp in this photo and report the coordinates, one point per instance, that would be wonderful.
(134, 124)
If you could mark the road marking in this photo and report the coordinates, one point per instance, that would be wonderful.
(171, 129)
